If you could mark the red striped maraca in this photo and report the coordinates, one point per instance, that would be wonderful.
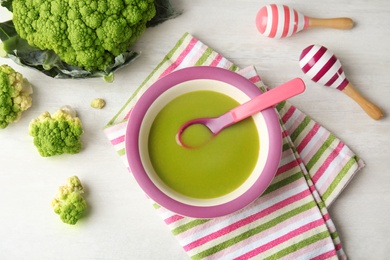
(279, 21)
(323, 67)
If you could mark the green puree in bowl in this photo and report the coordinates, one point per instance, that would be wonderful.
(213, 169)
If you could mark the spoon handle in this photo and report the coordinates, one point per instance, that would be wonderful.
(268, 99)
(371, 109)
(342, 23)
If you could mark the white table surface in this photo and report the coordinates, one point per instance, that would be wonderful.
(121, 223)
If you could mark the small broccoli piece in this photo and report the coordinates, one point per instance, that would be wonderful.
(69, 202)
(98, 103)
(58, 133)
(15, 95)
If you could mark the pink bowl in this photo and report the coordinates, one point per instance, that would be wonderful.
(173, 85)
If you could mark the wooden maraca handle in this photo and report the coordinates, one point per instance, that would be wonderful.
(343, 23)
(371, 109)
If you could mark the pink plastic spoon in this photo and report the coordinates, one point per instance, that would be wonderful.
(279, 21)
(322, 66)
(253, 106)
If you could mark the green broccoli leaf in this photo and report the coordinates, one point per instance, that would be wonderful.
(7, 4)
(7, 30)
(164, 11)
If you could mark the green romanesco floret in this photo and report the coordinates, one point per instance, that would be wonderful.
(84, 33)
(15, 95)
(58, 133)
(69, 202)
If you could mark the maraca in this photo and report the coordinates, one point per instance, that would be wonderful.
(279, 21)
(322, 66)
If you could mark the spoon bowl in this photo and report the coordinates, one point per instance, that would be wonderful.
(255, 105)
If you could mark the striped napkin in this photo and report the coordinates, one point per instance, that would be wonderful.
(290, 220)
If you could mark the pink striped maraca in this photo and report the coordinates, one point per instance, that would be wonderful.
(323, 67)
(279, 21)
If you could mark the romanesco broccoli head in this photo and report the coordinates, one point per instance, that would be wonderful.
(15, 95)
(83, 33)
(58, 133)
(69, 202)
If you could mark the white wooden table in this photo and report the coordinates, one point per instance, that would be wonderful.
(121, 223)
